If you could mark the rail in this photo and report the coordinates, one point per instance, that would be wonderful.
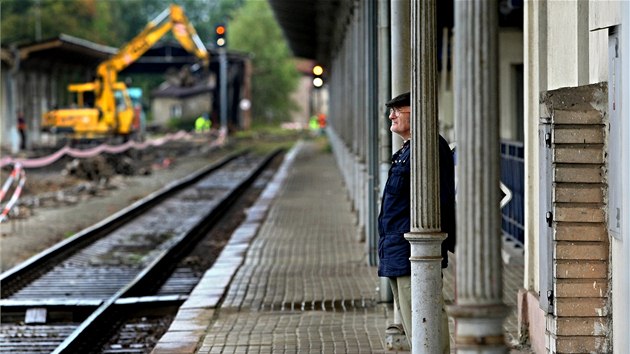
(32, 267)
(513, 177)
(143, 287)
(85, 333)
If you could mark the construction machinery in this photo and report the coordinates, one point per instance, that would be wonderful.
(113, 112)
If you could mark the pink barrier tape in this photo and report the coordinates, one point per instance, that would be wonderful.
(116, 149)
(9, 181)
(19, 175)
(221, 139)
(16, 194)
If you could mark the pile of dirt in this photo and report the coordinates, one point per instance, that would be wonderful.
(73, 180)
(55, 205)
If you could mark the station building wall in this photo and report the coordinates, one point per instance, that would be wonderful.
(567, 49)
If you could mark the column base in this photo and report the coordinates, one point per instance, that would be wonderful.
(479, 327)
(395, 338)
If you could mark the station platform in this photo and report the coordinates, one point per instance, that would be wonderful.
(294, 278)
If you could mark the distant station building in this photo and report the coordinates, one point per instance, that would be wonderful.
(34, 79)
(182, 97)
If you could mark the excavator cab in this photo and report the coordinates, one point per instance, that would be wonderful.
(83, 119)
(69, 120)
(124, 109)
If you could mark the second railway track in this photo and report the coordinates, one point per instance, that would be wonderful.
(114, 286)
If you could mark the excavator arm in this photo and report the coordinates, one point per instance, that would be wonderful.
(173, 19)
(106, 117)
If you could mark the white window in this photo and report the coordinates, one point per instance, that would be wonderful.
(176, 110)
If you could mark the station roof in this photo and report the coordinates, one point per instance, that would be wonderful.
(313, 28)
(5, 56)
(65, 49)
(74, 51)
(308, 25)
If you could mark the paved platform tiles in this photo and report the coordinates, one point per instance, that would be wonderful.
(303, 285)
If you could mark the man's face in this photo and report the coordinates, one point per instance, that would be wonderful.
(400, 121)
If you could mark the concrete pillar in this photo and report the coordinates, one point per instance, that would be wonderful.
(425, 236)
(400, 66)
(372, 129)
(479, 310)
(535, 49)
(384, 91)
(621, 275)
(356, 130)
(9, 111)
(401, 53)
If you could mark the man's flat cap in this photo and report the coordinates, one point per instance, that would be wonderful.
(400, 101)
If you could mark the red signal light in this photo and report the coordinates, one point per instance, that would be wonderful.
(220, 31)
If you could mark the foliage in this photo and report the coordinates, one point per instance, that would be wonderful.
(181, 123)
(263, 138)
(102, 21)
(22, 20)
(266, 129)
(274, 75)
(222, 11)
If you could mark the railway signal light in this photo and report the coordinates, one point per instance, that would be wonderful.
(318, 79)
(220, 32)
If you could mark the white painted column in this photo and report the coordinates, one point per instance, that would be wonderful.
(384, 91)
(401, 53)
(621, 265)
(400, 67)
(479, 309)
(425, 236)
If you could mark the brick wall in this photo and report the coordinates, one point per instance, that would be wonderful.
(581, 310)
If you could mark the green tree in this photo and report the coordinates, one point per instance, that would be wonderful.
(223, 10)
(102, 21)
(31, 20)
(255, 30)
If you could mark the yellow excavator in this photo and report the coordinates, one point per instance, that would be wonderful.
(113, 113)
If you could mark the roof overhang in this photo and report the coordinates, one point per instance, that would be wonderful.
(311, 27)
(64, 49)
(314, 29)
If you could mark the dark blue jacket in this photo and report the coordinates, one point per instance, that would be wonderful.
(394, 219)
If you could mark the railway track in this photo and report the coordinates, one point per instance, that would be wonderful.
(114, 287)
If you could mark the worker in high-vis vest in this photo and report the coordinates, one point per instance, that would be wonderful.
(202, 125)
